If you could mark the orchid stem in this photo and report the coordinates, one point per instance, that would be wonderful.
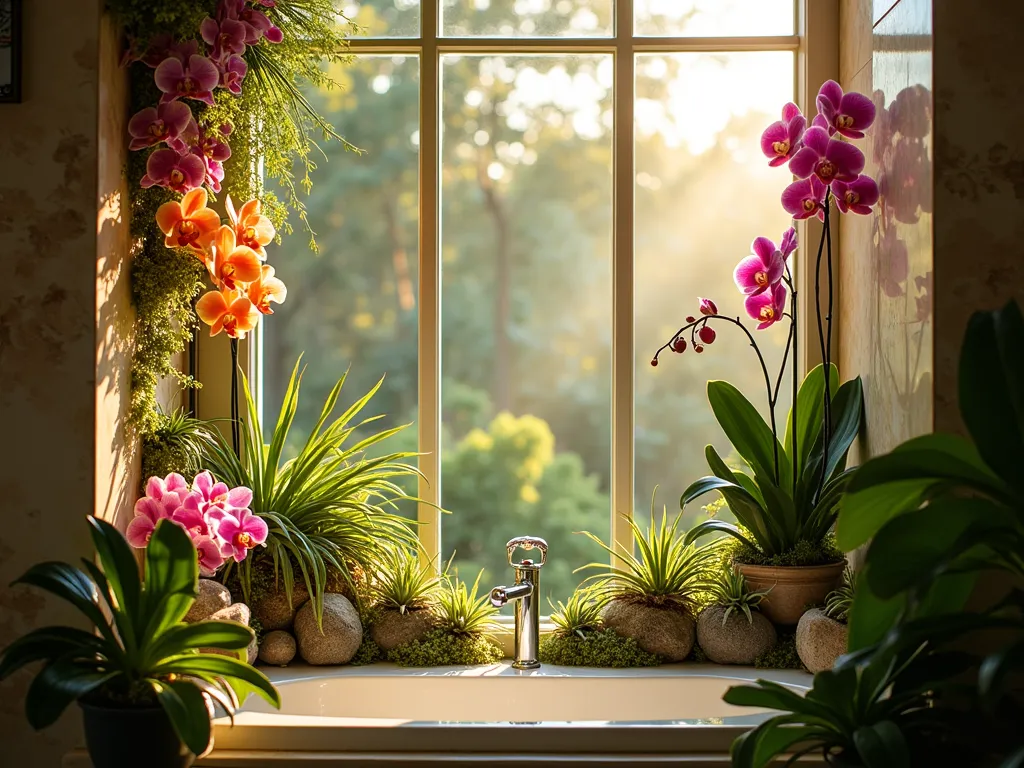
(825, 340)
(235, 431)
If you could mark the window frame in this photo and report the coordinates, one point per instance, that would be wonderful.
(815, 45)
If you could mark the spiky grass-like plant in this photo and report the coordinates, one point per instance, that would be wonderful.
(668, 573)
(729, 589)
(839, 601)
(403, 583)
(580, 615)
(460, 610)
(177, 444)
(331, 507)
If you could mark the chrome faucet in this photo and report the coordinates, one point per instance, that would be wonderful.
(527, 591)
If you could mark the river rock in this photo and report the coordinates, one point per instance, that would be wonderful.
(273, 611)
(213, 596)
(277, 648)
(341, 636)
(737, 641)
(661, 631)
(235, 612)
(820, 640)
(393, 629)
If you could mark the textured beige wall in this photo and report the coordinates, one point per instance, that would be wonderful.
(62, 249)
(887, 259)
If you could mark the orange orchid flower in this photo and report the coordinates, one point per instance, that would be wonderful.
(231, 265)
(252, 229)
(188, 223)
(227, 311)
(267, 289)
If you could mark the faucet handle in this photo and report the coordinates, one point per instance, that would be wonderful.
(527, 543)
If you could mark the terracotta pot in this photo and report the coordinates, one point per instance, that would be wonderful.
(794, 588)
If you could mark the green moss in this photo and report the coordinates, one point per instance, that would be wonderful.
(804, 553)
(257, 627)
(368, 652)
(439, 648)
(782, 655)
(697, 655)
(603, 648)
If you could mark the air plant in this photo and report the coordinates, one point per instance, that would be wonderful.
(729, 589)
(580, 614)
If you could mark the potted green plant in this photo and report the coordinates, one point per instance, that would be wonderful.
(330, 509)
(731, 630)
(821, 633)
(404, 592)
(146, 693)
(653, 598)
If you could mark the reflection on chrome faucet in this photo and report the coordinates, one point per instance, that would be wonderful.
(525, 592)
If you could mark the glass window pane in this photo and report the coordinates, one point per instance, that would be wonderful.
(526, 18)
(714, 18)
(704, 191)
(352, 306)
(526, 321)
(384, 18)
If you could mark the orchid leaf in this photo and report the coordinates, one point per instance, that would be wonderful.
(747, 431)
(810, 405)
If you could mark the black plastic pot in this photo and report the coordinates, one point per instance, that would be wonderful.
(123, 737)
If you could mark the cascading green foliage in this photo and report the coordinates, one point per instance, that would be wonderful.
(275, 130)
(328, 509)
(839, 601)
(729, 589)
(580, 615)
(140, 653)
(403, 583)
(669, 572)
(461, 610)
(777, 513)
(178, 444)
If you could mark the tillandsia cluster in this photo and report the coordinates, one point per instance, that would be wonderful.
(828, 170)
(217, 518)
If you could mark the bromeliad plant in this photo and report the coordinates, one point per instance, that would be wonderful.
(140, 653)
(791, 492)
(329, 509)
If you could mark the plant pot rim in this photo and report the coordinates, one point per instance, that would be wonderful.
(107, 707)
(807, 569)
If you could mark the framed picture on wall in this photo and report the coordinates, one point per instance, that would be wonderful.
(10, 50)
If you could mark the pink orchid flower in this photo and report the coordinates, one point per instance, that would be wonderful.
(225, 37)
(781, 139)
(218, 494)
(164, 123)
(232, 73)
(256, 22)
(194, 80)
(166, 168)
(857, 195)
(162, 499)
(208, 550)
(768, 307)
(805, 198)
(756, 274)
(241, 531)
(847, 113)
(828, 159)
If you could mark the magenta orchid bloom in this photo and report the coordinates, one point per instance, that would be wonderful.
(163, 497)
(805, 198)
(166, 168)
(857, 196)
(164, 123)
(756, 274)
(232, 73)
(788, 243)
(225, 38)
(828, 159)
(191, 516)
(767, 307)
(194, 80)
(218, 494)
(849, 114)
(781, 139)
(257, 25)
(209, 554)
(241, 531)
(708, 307)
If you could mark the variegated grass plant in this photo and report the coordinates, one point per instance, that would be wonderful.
(729, 589)
(668, 572)
(839, 601)
(580, 614)
(404, 583)
(461, 610)
(329, 509)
